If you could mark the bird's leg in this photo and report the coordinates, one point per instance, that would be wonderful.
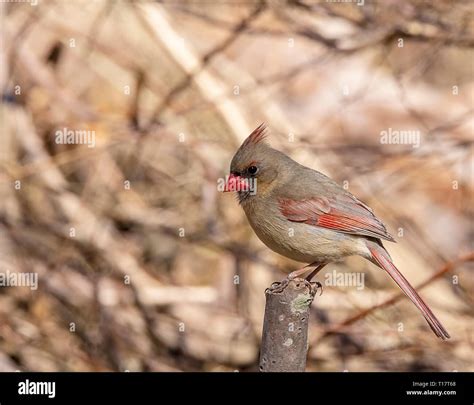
(279, 287)
(317, 269)
(305, 269)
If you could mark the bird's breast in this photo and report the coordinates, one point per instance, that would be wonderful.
(298, 241)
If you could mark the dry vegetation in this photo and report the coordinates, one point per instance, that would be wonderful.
(138, 254)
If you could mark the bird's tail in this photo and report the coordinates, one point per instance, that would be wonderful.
(383, 260)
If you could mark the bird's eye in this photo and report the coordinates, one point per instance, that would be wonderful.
(252, 170)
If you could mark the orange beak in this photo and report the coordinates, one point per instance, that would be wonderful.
(236, 183)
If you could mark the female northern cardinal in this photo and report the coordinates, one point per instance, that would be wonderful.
(305, 216)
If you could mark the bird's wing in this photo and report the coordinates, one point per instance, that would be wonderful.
(341, 212)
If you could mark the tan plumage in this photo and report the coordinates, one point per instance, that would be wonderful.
(304, 215)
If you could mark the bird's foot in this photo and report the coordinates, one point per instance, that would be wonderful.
(315, 286)
(278, 286)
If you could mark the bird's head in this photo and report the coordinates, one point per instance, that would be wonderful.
(254, 167)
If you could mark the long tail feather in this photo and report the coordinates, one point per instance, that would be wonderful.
(382, 259)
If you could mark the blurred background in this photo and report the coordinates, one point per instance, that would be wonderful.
(119, 117)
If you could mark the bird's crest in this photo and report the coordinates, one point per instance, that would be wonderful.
(257, 136)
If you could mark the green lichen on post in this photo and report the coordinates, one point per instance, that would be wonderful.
(301, 303)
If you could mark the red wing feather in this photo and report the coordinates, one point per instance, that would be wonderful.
(343, 213)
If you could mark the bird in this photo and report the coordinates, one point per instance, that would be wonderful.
(304, 215)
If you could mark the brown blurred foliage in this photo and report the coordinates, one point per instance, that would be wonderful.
(142, 264)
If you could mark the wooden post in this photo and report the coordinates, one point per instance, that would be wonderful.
(285, 326)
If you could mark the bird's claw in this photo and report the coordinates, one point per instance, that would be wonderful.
(316, 285)
(278, 286)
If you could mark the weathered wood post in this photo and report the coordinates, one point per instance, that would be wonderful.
(285, 326)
